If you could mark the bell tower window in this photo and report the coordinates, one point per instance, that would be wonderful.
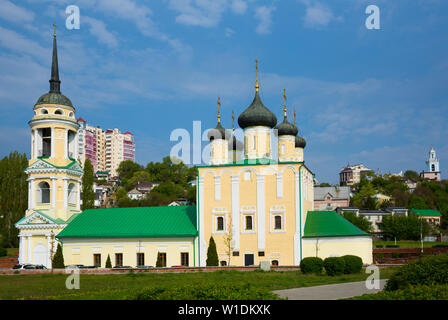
(46, 143)
(43, 192)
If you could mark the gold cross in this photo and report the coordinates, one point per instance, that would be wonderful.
(54, 27)
(219, 106)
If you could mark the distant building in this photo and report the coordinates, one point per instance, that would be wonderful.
(119, 147)
(382, 197)
(134, 194)
(330, 198)
(411, 185)
(432, 163)
(352, 174)
(433, 217)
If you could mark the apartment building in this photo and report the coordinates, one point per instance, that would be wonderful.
(352, 174)
(105, 149)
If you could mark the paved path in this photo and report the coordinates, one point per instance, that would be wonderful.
(329, 292)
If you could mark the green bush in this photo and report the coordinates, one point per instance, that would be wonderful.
(311, 265)
(212, 254)
(379, 246)
(353, 264)
(108, 262)
(3, 252)
(334, 266)
(204, 291)
(379, 255)
(429, 271)
(440, 246)
(58, 259)
(434, 292)
(392, 246)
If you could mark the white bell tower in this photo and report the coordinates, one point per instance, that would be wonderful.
(432, 162)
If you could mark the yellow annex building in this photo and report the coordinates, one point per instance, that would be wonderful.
(256, 204)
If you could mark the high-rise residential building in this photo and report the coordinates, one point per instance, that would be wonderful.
(352, 174)
(105, 149)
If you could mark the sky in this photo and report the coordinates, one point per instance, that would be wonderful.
(377, 97)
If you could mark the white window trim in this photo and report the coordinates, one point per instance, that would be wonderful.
(219, 212)
(243, 223)
(277, 211)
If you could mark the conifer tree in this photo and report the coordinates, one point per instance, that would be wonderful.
(159, 261)
(58, 259)
(212, 254)
(108, 262)
(88, 196)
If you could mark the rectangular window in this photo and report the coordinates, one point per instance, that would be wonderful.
(118, 259)
(278, 222)
(163, 258)
(140, 259)
(184, 259)
(248, 222)
(219, 223)
(97, 260)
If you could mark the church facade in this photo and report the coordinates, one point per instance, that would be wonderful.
(256, 204)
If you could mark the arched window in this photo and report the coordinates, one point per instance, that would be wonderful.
(278, 222)
(274, 262)
(59, 112)
(43, 192)
(433, 167)
(43, 111)
(220, 224)
(71, 114)
(71, 193)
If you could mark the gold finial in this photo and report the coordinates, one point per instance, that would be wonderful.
(233, 123)
(54, 27)
(284, 98)
(219, 106)
(256, 75)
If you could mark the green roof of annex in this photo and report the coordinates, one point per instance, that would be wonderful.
(426, 212)
(149, 222)
(330, 224)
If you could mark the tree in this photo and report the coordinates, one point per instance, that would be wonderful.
(58, 259)
(228, 241)
(212, 254)
(404, 227)
(411, 175)
(108, 262)
(137, 177)
(159, 262)
(359, 221)
(88, 195)
(13, 197)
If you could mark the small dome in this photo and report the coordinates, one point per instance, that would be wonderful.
(300, 142)
(257, 115)
(286, 129)
(54, 98)
(235, 144)
(218, 133)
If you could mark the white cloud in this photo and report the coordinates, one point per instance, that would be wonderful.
(229, 32)
(318, 14)
(99, 30)
(264, 15)
(16, 42)
(14, 13)
(239, 6)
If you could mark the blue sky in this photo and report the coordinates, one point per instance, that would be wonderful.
(373, 96)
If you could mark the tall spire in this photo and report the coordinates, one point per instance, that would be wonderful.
(219, 113)
(233, 123)
(284, 98)
(294, 115)
(55, 83)
(256, 75)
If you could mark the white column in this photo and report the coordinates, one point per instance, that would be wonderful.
(66, 144)
(53, 193)
(76, 146)
(35, 144)
(53, 136)
(48, 250)
(78, 197)
(279, 185)
(32, 193)
(217, 188)
(203, 244)
(29, 257)
(261, 231)
(297, 233)
(21, 248)
(65, 193)
(32, 144)
(235, 213)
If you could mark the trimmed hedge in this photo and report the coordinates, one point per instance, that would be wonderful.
(334, 266)
(204, 291)
(379, 246)
(311, 265)
(3, 252)
(429, 271)
(434, 292)
(392, 246)
(353, 264)
(440, 246)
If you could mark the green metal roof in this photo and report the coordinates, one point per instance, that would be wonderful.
(175, 221)
(329, 224)
(426, 212)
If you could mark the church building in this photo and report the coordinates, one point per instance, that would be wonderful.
(256, 204)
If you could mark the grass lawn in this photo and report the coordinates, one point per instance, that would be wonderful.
(121, 286)
(405, 244)
(11, 251)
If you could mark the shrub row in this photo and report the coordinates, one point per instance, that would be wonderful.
(431, 270)
(333, 265)
(3, 252)
(440, 246)
(204, 291)
(422, 292)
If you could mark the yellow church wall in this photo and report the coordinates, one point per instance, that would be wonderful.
(38, 237)
(339, 246)
(77, 251)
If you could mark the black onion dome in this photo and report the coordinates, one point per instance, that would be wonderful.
(257, 115)
(54, 98)
(286, 129)
(218, 133)
(235, 144)
(300, 142)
